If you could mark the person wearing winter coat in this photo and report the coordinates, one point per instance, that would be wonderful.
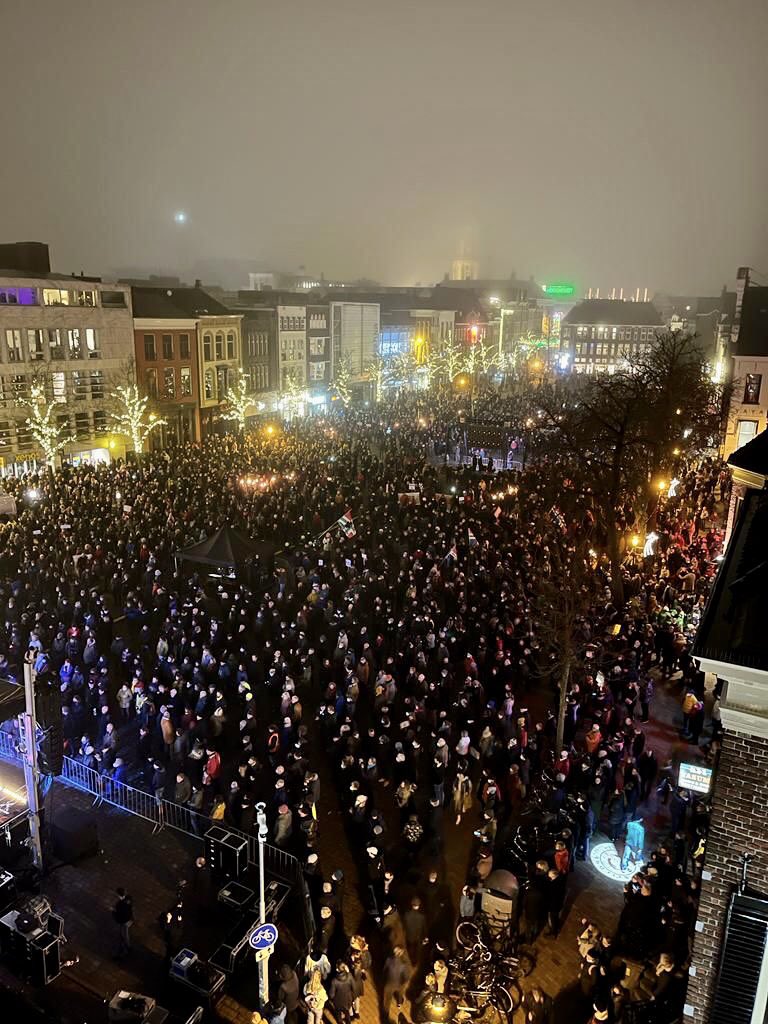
(341, 994)
(461, 795)
(315, 997)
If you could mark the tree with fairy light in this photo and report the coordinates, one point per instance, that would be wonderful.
(51, 437)
(380, 375)
(292, 393)
(239, 401)
(131, 418)
(450, 360)
(342, 382)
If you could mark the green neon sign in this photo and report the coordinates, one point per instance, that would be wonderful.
(559, 289)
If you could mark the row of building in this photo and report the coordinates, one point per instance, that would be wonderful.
(185, 346)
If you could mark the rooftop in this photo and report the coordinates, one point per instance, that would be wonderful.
(753, 330)
(732, 630)
(752, 456)
(175, 303)
(615, 311)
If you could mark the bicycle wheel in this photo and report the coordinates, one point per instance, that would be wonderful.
(467, 934)
(507, 997)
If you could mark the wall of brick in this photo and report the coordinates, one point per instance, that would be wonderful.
(739, 825)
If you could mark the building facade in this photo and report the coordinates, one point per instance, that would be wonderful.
(728, 977)
(600, 335)
(74, 336)
(318, 351)
(748, 412)
(354, 336)
(259, 333)
(188, 351)
(167, 371)
(292, 346)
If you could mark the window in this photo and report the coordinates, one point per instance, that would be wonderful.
(184, 346)
(19, 387)
(55, 297)
(13, 342)
(150, 383)
(82, 424)
(74, 343)
(752, 388)
(80, 383)
(222, 382)
(5, 433)
(745, 431)
(24, 437)
(97, 384)
(35, 345)
(55, 343)
(114, 299)
(250, 344)
(92, 343)
(167, 346)
(169, 382)
(207, 347)
(59, 386)
(317, 346)
(186, 381)
(62, 422)
(643, 335)
(81, 297)
(317, 371)
(18, 296)
(99, 422)
(209, 384)
(150, 353)
(219, 346)
(230, 345)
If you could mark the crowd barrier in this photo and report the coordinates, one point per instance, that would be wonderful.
(162, 813)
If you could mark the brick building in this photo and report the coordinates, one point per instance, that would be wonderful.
(729, 972)
(187, 349)
(598, 335)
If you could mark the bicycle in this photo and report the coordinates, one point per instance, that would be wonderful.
(472, 937)
(482, 984)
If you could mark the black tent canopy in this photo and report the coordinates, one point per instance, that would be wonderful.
(227, 548)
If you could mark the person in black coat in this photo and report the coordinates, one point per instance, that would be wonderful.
(535, 902)
(556, 889)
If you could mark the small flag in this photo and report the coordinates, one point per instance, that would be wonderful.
(497, 512)
(347, 525)
(453, 553)
(471, 538)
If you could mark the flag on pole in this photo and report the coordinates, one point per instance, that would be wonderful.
(452, 553)
(471, 538)
(346, 523)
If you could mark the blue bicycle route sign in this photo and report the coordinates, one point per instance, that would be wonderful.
(263, 936)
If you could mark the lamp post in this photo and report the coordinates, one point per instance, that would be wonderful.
(28, 729)
(261, 820)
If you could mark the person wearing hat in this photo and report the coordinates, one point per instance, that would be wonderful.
(288, 993)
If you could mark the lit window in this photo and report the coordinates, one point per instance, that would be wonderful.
(186, 381)
(74, 342)
(92, 343)
(752, 388)
(35, 345)
(13, 343)
(209, 384)
(169, 382)
(97, 384)
(150, 380)
(59, 386)
(55, 297)
(745, 431)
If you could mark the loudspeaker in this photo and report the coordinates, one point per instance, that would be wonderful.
(75, 836)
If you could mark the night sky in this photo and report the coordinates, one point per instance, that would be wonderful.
(609, 143)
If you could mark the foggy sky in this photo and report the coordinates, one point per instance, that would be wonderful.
(610, 143)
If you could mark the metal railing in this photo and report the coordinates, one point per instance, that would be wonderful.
(161, 812)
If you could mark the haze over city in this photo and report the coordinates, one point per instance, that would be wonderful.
(606, 143)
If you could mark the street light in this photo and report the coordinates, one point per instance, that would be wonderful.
(261, 820)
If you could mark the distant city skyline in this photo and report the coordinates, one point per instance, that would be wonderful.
(595, 143)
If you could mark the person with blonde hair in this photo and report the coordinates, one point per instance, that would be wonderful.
(315, 998)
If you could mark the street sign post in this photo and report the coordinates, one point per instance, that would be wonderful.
(263, 936)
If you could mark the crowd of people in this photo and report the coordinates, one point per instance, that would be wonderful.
(400, 664)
